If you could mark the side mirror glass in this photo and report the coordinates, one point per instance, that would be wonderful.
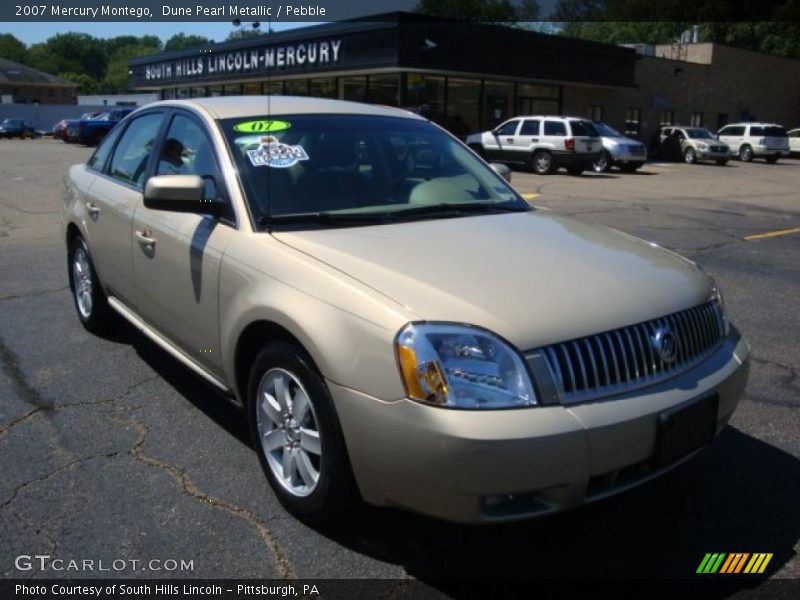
(503, 170)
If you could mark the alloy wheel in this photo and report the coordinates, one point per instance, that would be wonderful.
(82, 282)
(289, 432)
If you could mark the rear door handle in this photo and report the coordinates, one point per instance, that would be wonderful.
(92, 209)
(143, 237)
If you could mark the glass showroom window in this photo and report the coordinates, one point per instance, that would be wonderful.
(633, 121)
(696, 119)
(297, 87)
(463, 106)
(273, 88)
(324, 88)
(498, 98)
(353, 88)
(595, 113)
(426, 96)
(667, 117)
(384, 89)
(251, 89)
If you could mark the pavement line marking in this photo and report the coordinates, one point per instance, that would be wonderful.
(769, 234)
(529, 195)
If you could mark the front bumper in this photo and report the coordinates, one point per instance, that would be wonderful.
(484, 466)
(711, 155)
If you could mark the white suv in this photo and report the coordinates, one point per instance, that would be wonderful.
(542, 142)
(756, 140)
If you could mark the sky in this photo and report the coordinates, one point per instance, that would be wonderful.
(32, 33)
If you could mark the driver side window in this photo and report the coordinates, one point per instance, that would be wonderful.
(509, 128)
(188, 151)
(132, 153)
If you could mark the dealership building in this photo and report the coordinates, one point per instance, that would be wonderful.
(469, 77)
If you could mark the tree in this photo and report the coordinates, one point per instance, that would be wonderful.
(86, 85)
(12, 49)
(117, 79)
(70, 52)
(179, 41)
(484, 11)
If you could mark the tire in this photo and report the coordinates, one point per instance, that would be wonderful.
(97, 137)
(575, 171)
(478, 149)
(745, 153)
(315, 498)
(542, 162)
(690, 156)
(603, 163)
(772, 159)
(722, 162)
(87, 293)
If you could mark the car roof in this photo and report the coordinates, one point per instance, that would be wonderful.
(758, 123)
(568, 118)
(227, 107)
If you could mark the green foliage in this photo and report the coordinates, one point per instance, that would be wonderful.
(12, 49)
(179, 41)
(116, 77)
(86, 85)
(485, 11)
(243, 34)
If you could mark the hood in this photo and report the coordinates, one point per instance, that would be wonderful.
(534, 278)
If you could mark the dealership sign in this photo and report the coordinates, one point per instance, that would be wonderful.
(210, 64)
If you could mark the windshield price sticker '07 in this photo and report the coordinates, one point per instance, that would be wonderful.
(263, 126)
(273, 153)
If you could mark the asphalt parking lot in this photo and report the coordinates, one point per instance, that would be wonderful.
(111, 450)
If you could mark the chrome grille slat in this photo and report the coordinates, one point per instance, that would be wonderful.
(618, 361)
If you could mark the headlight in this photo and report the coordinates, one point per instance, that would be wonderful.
(459, 366)
(716, 296)
(702, 146)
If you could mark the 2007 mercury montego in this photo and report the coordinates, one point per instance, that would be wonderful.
(396, 322)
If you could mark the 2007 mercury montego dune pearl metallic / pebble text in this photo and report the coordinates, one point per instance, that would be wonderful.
(396, 322)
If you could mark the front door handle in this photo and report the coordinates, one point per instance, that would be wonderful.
(143, 237)
(510, 140)
(92, 209)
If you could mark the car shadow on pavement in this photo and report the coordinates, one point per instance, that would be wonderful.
(739, 495)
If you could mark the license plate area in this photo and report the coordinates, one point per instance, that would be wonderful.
(685, 428)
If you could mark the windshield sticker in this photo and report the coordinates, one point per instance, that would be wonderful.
(272, 153)
(262, 126)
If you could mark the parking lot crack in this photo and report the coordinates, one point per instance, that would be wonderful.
(190, 489)
(52, 473)
(34, 293)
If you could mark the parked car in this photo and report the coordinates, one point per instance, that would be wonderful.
(66, 129)
(794, 141)
(19, 128)
(396, 322)
(756, 140)
(543, 143)
(619, 151)
(692, 144)
(92, 131)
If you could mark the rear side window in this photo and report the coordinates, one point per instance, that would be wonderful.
(756, 130)
(530, 127)
(773, 131)
(733, 130)
(583, 129)
(129, 162)
(98, 159)
(555, 128)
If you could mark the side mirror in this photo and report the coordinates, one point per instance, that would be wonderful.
(180, 193)
(503, 170)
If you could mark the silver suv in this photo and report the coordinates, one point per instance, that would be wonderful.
(544, 143)
(756, 140)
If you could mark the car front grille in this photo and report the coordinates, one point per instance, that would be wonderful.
(637, 150)
(618, 361)
(718, 148)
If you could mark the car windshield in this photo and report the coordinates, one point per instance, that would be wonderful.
(11, 122)
(605, 130)
(337, 170)
(698, 133)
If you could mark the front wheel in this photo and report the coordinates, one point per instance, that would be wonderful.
(603, 163)
(746, 153)
(690, 156)
(87, 293)
(297, 435)
(542, 162)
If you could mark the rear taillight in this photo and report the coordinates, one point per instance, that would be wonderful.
(569, 144)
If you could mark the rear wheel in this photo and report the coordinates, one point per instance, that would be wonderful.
(297, 435)
(690, 156)
(746, 153)
(90, 300)
(603, 162)
(542, 162)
